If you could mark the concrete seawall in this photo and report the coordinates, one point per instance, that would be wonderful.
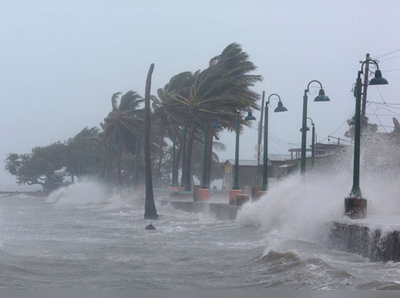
(366, 241)
(221, 211)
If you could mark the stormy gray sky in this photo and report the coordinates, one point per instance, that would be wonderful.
(59, 66)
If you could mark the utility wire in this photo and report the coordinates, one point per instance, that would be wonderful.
(389, 59)
(380, 121)
(390, 70)
(381, 103)
(273, 139)
(339, 127)
(391, 52)
(283, 140)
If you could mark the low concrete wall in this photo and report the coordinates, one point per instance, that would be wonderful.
(370, 243)
(217, 210)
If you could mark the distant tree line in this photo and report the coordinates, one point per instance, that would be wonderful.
(188, 103)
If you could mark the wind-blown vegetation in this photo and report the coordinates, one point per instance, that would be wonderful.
(189, 99)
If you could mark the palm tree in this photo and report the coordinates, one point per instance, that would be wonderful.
(123, 125)
(82, 151)
(220, 90)
(150, 211)
(164, 106)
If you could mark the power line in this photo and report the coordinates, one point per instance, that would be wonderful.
(339, 127)
(390, 70)
(389, 58)
(283, 140)
(391, 52)
(273, 139)
(381, 103)
(380, 121)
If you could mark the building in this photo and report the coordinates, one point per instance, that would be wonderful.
(250, 174)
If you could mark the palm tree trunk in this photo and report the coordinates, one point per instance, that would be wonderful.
(119, 166)
(209, 158)
(188, 180)
(178, 159)
(160, 154)
(150, 211)
(105, 162)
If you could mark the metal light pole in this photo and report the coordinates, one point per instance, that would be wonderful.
(280, 108)
(312, 141)
(249, 117)
(183, 157)
(355, 205)
(321, 97)
(378, 80)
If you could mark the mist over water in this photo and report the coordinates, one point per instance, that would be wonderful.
(304, 207)
(90, 236)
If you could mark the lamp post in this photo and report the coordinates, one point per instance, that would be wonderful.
(313, 144)
(203, 193)
(312, 141)
(236, 189)
(320, 98)
(280, 108)
(183, 157)
(355, 205)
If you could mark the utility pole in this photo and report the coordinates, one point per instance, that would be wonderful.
(364, 94)
(260, 131)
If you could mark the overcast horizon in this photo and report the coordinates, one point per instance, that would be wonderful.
(60, 67)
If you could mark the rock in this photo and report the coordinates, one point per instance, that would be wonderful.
(150, 227)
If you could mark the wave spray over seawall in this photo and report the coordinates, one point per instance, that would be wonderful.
(87, 236)
(296, 215)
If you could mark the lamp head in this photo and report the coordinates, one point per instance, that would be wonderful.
(216, 124)
(250, 117)
(378, 80)
(307, 129)
(280, 108)
(321, 96)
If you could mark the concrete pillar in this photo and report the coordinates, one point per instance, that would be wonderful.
(261, 193)
(241, 199)
(254, 192)
(247, 190)
(232, 195)
(355, 208)
(195, 189)
(203, 194)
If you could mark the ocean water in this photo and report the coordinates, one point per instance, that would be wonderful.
(87, 237)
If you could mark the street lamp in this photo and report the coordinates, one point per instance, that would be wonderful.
(183, 156)
(320, 98)
(280, 108)
(312, 141)
(236, 189)
(248, 118)
(355, 205)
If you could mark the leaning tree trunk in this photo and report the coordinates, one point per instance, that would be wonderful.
(209, 159)
(188, 180)
(150, 211)
(160, 154)
(119, 166)
(178, 161)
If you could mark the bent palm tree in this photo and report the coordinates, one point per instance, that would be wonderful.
(123, 125)
(220, 90)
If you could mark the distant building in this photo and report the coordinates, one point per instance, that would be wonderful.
(250, 174)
